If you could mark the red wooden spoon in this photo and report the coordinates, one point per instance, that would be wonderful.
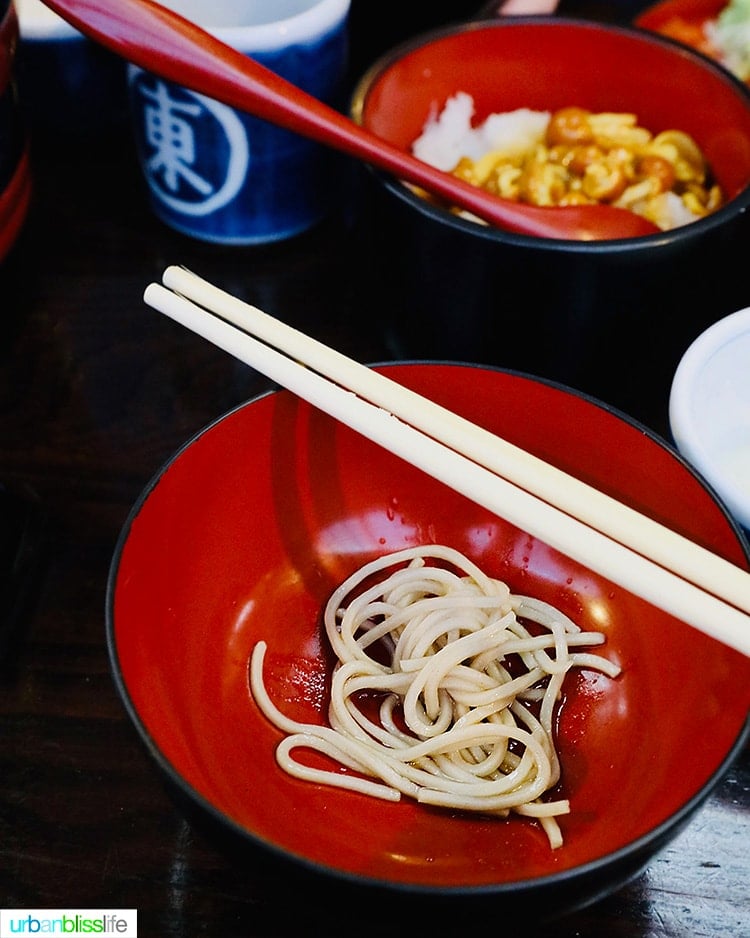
(172, 47)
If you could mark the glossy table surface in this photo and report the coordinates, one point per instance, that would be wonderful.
(96, 392)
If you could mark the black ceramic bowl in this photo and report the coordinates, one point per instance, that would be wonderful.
(611, 318)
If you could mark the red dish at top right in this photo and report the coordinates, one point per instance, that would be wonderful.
(716, 28)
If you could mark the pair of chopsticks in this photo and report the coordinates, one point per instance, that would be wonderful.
(630, 549)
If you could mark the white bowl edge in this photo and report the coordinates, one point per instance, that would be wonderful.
(684, 424)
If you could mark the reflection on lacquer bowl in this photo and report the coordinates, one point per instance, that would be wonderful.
(246, 531)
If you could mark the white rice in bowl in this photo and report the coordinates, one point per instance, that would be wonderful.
(449, 135)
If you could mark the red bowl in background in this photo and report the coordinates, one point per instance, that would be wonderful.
(245, 532)
(683, 20)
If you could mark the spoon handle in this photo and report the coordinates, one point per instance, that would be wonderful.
(165, 43)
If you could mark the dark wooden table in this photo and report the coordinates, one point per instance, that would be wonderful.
(96, 392)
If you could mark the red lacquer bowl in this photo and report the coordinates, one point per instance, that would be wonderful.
(549, 63)
(575, 312)
(244, 534)
(683, 20)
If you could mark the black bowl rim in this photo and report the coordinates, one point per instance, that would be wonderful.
(736, 206)
(644, 847)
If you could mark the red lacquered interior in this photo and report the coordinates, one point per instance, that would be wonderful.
(249, 529)
(692, 11)
(551, 64)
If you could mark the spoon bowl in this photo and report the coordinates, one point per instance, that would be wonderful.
(167, 44)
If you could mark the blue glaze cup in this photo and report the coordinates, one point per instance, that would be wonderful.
(220, 175)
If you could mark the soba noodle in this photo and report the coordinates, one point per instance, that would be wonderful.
(467, 675)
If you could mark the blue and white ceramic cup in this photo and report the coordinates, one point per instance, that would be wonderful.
(221, 175)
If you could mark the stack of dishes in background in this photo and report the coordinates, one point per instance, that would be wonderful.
(15, 180)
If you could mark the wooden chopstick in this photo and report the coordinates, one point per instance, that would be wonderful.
(588, 504)
(474, 462)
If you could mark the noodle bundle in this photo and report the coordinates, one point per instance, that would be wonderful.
(466, 674)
